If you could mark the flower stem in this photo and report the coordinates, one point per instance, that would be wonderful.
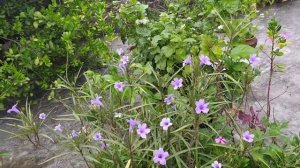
(86, 162)
(270, 80)
(130, 150)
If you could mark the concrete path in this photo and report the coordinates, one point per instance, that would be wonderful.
(287, 106)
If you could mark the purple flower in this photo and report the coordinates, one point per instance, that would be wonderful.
(97, 136)
(248, 137)
(216, 164)
(119, 86)
(165, 123)
(177, 83)
(254, 61)
(132, 124)
(58, 128)
(74, 134)
(124, 60)
(284, 35)
(220, 140)
(97, 102)
(143, 130)
(159, 156)
(123, 63)
(201, 107)
(13, 109)
(120, 51)
(204, 60)
(169, 99)
(42, 116)
(187, 61)
(104, 145)
(122, 67)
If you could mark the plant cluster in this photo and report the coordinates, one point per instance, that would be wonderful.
(38, 45)
(176, 98)
(41, 39)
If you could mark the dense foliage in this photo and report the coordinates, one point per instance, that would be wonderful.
(41, 39)
(177, 97)
(165, 41)
(41, 44)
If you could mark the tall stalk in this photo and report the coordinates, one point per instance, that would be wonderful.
(86, 162)
(130, 150)
(278, 42)
(192, 99)
(272, 58)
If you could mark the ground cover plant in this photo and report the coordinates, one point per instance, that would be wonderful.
(177, 97)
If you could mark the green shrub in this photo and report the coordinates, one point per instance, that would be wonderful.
(43, 44)
(194, 29)
(205, 125)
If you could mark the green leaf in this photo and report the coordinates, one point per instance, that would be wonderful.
(278, 53)
(226, 146)
(176, 39)
(167, 51)
(110, 78)
(161, 64)
(189, 40)
(211, 46)
(198, 24)
(231, 6)
(155, 40)
(57, 156)
(181, 128)
(37, 61)
(35, 25)
(4, 154)
(143, 31)
(280, 67)
(239, 66)
(180, 54)
(242, 51)
(257, 156)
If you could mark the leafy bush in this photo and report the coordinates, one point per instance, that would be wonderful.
(166, 41)
(43, 44)
(135, 117)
